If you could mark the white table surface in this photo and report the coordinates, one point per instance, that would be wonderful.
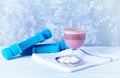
(26, 67)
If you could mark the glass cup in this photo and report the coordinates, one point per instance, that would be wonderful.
(74, 39)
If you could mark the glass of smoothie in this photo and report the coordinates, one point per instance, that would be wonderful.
(74, 39)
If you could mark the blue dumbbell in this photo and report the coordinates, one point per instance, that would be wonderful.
(18, 48)
(45, 48)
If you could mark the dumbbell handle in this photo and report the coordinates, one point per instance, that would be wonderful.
(32, 41)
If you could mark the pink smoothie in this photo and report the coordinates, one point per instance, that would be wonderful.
(74, 37)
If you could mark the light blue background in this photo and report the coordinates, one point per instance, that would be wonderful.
(21, 19)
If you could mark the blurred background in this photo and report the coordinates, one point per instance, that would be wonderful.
(21, 19)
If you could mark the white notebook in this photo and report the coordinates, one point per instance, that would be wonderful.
(92, 58)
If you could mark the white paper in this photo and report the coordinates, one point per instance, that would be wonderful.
(93, 58)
